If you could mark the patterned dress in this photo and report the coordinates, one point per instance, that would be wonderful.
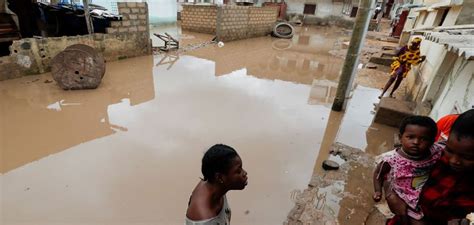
(405, 59)
(407, 176)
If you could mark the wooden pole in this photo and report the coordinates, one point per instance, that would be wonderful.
(90, 27)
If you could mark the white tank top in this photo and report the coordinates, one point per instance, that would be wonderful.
(223, 218)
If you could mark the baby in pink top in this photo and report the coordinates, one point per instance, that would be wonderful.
(406, 169)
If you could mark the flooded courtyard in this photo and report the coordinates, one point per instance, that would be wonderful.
(129, 152)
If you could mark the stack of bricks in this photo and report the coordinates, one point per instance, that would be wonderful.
(134, 18)
(199, 18)
(261, 20)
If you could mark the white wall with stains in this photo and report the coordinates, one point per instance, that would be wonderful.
(324, 8)
(457, 95)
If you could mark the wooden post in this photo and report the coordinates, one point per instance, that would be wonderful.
(90, 27)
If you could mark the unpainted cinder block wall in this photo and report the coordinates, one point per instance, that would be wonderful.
(233, 23)
(241, 22)
(229, 22)
(261, 20)
(127, 38)
(134, 18)
(199, 18)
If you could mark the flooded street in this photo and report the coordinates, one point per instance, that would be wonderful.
(129, 152)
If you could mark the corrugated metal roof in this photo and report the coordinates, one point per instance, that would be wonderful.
(460, 44)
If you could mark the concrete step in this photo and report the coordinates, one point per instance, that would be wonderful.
(391, 111)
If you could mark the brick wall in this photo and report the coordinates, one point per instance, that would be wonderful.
(228, 22)
(199, 18)
(134, 18)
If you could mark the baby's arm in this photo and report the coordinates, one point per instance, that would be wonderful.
(379, 175)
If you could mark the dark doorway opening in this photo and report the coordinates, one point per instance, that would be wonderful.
(309, 9)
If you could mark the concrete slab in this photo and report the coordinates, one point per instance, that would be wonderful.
(391, 111)
(381, 58)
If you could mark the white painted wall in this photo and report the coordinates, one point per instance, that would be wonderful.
(434, 53)
(458, 94)
(323, 7)
(430, 19)
(421, 76)
(162, 11)
(452, 16)
(295, 6)
(411, 19)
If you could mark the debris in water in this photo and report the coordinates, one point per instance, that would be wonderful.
(247, 212)
(170, 42)
(220, 44)
(48, 81)
(190, 47)
(330, 165)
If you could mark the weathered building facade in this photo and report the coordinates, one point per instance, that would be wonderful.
(443, 84)
(129, 37)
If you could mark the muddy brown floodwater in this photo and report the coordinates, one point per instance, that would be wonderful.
(129, 152)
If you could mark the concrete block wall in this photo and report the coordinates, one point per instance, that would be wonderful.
(134, 18)
(199, 18)
(130, 38)
(261, 20)
(233, 23)
(229, 22)
(240, 22)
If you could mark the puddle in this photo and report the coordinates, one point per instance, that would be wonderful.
(122, 153)
(357, 129)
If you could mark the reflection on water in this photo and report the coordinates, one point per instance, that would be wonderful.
(129, 152)
(345, 195)
(40, 118)
(127, 177)
(272, 58)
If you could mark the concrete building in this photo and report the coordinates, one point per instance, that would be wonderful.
(323, 8)
(435, 14)
(444, 83)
